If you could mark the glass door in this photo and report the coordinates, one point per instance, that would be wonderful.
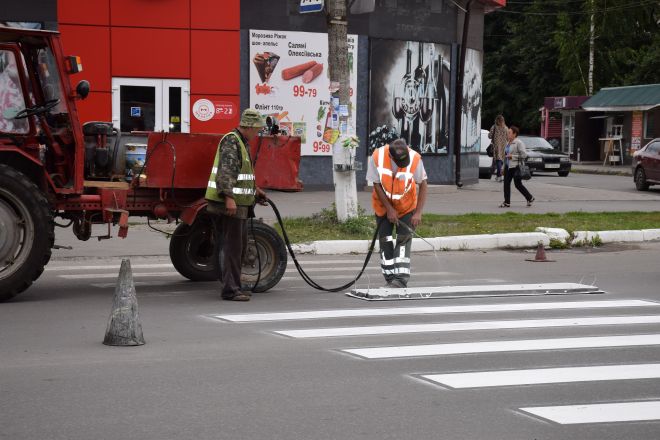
(144, 104)
(176, 105)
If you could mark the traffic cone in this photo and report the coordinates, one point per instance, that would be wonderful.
(540, 255)
(124, 326)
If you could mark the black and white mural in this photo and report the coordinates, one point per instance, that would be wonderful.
(471, 111)
(410, 94)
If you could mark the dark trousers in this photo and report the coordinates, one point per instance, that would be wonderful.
(395, 255)
(498, 165)
(511, 174)
(230, 247)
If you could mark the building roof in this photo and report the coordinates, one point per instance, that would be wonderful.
(630, 98)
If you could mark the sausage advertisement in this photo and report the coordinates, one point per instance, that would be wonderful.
(289, 82)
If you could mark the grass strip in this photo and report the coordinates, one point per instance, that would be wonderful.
(325, 226)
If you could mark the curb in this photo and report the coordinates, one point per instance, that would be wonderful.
(613, 172)
(521, 240)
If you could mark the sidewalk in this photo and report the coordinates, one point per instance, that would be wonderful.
(483, 197)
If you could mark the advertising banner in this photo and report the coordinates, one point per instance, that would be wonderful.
(289, 82)
(636, 138)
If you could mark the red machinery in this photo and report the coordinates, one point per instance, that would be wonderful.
(52, 167)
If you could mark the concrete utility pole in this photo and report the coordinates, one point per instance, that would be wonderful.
(342, 160)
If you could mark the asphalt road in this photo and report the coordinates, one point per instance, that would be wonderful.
(202, 377)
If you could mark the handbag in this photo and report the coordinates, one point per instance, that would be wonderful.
(523, 171)
(489, 150)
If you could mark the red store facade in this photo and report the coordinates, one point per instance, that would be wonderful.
(149, 63)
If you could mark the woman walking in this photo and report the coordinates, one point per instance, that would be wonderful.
(514, 154)
(499, 135)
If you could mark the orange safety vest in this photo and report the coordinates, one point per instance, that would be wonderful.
(399, 187)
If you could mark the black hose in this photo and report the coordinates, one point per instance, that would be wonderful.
(304, 275)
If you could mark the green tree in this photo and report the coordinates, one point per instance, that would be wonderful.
(539, 48)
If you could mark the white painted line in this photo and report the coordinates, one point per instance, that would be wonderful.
(354, 263)
(355, 272)
(598, 413)
(88, 276)
(136, 283)
(109, 266)
(504, 346)
(484, 379)
(355, 269)
(435, 310)
(469, 325)
(490, 288)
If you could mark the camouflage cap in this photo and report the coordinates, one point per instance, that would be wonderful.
(252, 118)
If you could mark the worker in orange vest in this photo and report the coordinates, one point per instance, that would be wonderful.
(395, 171)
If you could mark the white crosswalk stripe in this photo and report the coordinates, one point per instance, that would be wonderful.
(594, 315)
(598, 413)
(402, 351)
(435, 310)
(536, 376)
(470, 325)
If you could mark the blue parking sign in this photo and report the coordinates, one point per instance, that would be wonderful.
(311, 6)
(136, 112)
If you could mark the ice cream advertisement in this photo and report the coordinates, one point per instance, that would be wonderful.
(289, 82)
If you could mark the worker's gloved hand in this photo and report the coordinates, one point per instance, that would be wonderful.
(392, 216)
(261, 197)
(230, 206)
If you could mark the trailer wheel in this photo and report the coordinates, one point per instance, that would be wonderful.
(191, 249)
(27, 234)
(266, 249)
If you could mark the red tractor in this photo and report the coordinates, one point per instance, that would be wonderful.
(55, 171)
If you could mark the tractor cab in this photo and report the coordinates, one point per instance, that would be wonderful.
(39, 130)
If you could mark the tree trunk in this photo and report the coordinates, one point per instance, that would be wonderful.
(343, 164)
(592, 42)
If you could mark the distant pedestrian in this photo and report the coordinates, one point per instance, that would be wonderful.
(395, 171)
(499, 137)
(514, 154)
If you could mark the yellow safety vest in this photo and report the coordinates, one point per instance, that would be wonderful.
(245, 189)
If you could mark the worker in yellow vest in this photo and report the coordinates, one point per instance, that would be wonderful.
(395, 171)
(231, 194)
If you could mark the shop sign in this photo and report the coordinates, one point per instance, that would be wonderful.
(205, 110)
(136, 112)
(311, 6)
(224, 110)
(289, 82)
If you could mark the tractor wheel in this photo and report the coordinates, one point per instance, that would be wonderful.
(267, 250)
(27, 233)
(191, 249)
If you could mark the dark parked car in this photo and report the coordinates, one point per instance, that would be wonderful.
(646, 165)
(541, 156)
